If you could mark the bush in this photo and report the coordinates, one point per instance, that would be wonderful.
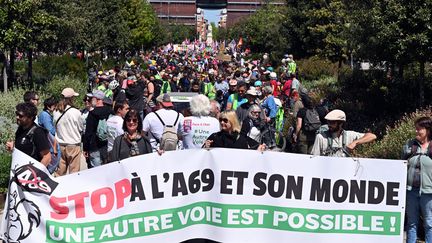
(5, 166)
(324, 88)
(315, 68)
(8, 101)
(390, 146)
(58, 83)
(47, 67)
(7, 132)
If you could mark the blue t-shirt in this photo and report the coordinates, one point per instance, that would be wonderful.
(270, 106)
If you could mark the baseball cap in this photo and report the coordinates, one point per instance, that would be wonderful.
(165, 100)
(98, 94)
(336, 115)
(69, 92)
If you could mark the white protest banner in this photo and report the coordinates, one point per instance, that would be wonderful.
(226, 195)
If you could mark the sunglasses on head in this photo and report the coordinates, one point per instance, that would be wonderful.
(223, 120)
(134, 120)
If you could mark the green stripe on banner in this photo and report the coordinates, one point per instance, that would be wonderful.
(227, 216)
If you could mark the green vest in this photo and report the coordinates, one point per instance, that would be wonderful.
(166, 87)
(108, 93)
(292, 66)
(279, 119)
(209, 91)
(235, 101)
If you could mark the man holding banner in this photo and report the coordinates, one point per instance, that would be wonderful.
(337, 142)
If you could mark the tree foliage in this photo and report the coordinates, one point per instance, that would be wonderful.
(263, 31)
(175, 33)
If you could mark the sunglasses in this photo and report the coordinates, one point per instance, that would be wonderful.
(134, 120)
(223, 120)
(256, 112)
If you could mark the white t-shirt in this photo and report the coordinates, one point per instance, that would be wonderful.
(115, 128)
(197, 129)
(154, 128)
(69, 127)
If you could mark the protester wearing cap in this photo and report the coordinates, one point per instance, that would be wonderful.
(238, 98)
(95, 148)
(242, 111)
(152, 125)
(336, 141)
(232, 88)
(69, 126)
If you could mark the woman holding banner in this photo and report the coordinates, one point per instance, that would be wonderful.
(132, 142)
(230, 136)
(418, 152)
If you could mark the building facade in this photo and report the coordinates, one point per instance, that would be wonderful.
(189, 12)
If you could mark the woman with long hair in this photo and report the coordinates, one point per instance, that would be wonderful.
(132, 142)
(230, 136)
(418, 152)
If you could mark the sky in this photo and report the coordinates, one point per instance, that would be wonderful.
(212, 15)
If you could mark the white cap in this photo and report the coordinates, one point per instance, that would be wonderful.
(336, 115)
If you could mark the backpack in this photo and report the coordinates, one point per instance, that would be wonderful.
(335, 152)
(410, 149)
(102, 130)
(169, 139)
(311, 121)
(54, 148)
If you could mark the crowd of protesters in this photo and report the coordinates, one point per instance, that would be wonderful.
(236, 102)
(130, 111)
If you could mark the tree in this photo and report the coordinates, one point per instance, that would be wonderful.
(25, 25)
(143, 24)
(328, 22)
(176, 34)
(107, 28)
(397, 32)
(263, 31)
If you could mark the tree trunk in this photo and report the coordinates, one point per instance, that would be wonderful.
(421, 83)
(339, 69)
(12, 78)
(4, 71)
(401, 71)
(30, 68)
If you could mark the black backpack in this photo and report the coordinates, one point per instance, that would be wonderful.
(312, 121)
